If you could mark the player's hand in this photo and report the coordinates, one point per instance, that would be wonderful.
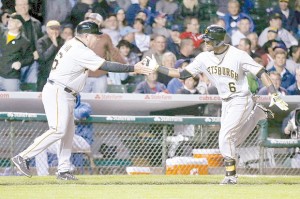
(141, 68)
(16, 65)
(275, 99)
(151, 62)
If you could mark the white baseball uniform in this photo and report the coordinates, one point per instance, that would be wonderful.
(228, 73)
(69, 70)
(79, 145)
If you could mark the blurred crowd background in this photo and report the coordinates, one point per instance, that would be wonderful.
(32, 31)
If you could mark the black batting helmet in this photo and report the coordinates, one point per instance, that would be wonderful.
(215, 33)
(88, 27)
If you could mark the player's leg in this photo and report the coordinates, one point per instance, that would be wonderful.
(55, 102)
(234, 114)
(65, 149)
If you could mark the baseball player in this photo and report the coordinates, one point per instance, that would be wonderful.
(67, 78)
(226, 67)
(79, 145)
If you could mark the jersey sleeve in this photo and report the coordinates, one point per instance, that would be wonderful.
(249, 65)
(196, 66)
(91, 61)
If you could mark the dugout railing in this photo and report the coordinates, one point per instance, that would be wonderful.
(146, 144)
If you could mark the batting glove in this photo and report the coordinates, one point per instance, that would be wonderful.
(151, 63)
(275, 99)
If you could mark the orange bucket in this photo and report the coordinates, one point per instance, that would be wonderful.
(186, 166)
(213, 156)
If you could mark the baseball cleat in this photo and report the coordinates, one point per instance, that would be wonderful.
(22, 165)
(66, 176)
(231, 180)
(268, 112)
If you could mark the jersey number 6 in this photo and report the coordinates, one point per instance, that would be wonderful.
(232, 87)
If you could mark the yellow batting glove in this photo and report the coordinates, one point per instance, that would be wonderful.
(275, 99)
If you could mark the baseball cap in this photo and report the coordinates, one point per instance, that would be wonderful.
(95, 16)
(176, 27)
(275, 16)
(271, 29)
(53, 24)
(88, 27)
(126, 30)
(179, 62)
(284, 1)
(17, 16)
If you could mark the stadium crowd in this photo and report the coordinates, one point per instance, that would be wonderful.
(32, 31)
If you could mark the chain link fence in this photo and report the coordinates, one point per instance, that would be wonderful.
(118, 145)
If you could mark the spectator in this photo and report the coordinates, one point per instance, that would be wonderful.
(128, 34)
(151, 85)
(59, 10)
(176, 83)
(134, 8)
(192, 31)
(33, 31)
(189, 86)
(283, 34)
(168, 60)
(4, 18)
(293, 61)
(234, 15)
(15, 53)
(111, 29)
(294, 89)
(141, 40)
(120, 13)
(125, 48)
(124, 4)
(276, 80)
(272, 34)
(103, 47)
(288, 17)
(268, 56)
(243, 30)
(186, 49)
(67, 32)
(188, 8)
(157, 49)
(222, 7)
(159, 25)
(147, 26)
(245, 45)
(47, 48)
(287, 78)
(255, 48)
(203, 84)
(82, 140)
(167, 6)
(82, 7)
(173, 42)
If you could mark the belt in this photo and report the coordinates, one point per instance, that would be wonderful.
(67, 89)
(227, 99)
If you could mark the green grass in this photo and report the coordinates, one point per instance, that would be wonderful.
(152, 187)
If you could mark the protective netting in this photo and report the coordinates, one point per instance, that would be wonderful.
(133, 145)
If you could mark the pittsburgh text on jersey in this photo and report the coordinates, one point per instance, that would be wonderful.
(222, 71)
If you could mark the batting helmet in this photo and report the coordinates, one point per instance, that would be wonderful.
(88, 27)
(83, 111)
(215, 33)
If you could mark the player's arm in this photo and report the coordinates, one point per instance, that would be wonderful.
(125, 68)
(172, 72)
(275, 98)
